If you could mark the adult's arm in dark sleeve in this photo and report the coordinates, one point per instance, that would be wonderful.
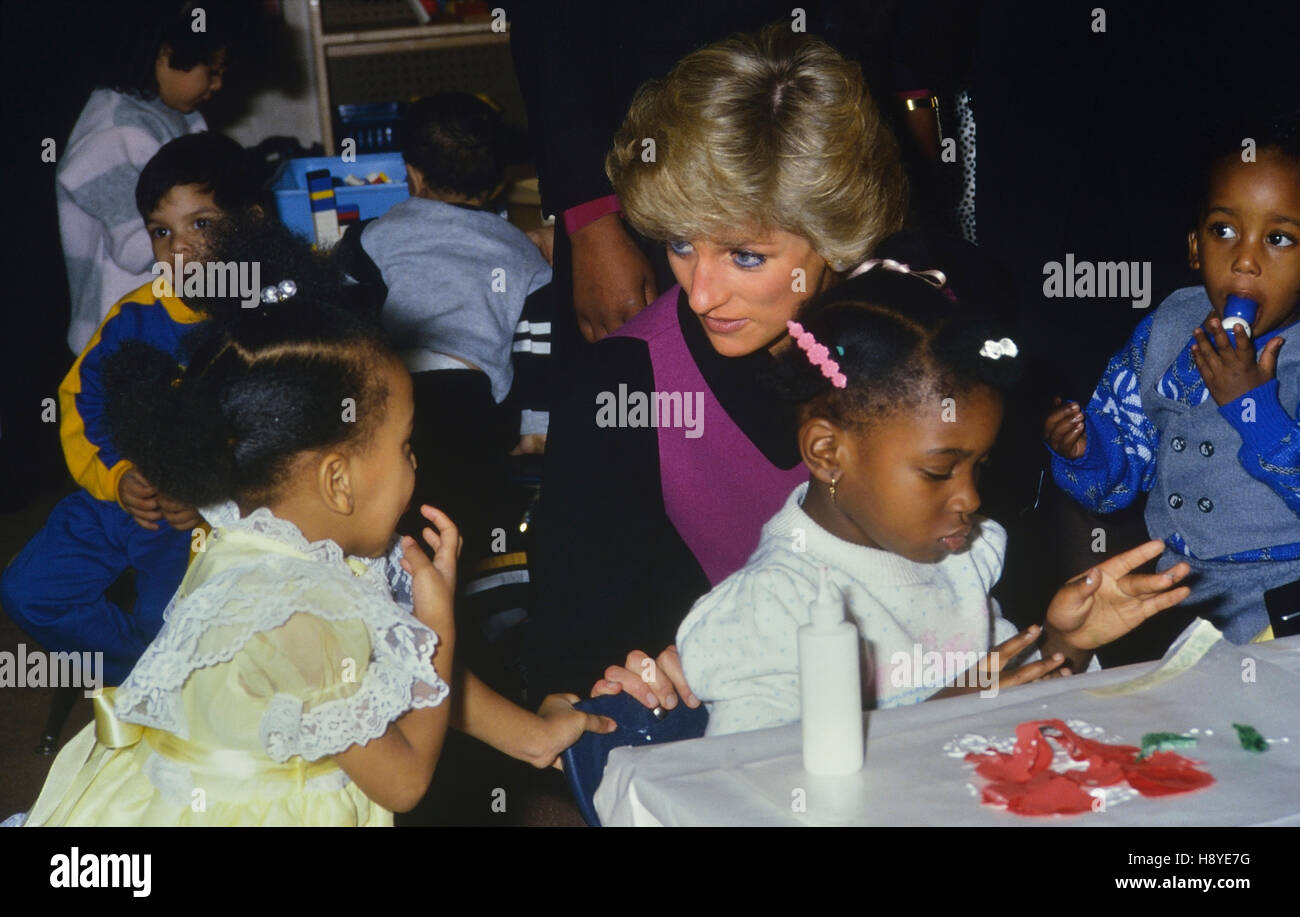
(609, 572)
(560, 51)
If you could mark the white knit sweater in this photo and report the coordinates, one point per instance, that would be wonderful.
(105, 246)
(739, 643)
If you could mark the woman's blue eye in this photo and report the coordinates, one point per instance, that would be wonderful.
(748, 259)
(1280, 239)
(680, 248)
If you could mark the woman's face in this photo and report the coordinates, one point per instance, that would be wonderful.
(744, 292)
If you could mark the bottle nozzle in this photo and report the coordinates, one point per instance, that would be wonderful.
(828, 610)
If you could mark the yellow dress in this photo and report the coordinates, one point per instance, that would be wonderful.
(275, 655)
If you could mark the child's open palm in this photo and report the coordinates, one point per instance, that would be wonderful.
(433, 582)
(1110, 600)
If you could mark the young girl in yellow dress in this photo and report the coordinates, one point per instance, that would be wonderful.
(287, 686)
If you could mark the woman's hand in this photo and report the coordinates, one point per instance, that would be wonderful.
(562, 725)
(433, 582)
(544, 238)
(530, 444)
(1108, 601)
(612, 280)
(987, 674)
(654, 682)
(1064, 430)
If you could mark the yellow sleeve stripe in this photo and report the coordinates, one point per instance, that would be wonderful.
(517, 559)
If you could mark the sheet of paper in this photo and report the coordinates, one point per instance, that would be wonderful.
(757, 778)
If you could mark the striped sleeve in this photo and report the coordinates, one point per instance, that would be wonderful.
(531, 356)
(102, 170)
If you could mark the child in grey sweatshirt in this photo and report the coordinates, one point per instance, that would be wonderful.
(457, 279)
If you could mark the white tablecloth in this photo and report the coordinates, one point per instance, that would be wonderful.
(757, 778)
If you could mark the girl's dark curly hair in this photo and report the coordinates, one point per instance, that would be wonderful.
(258, 387)
(899, 342)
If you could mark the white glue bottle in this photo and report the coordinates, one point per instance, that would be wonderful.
(830, 693)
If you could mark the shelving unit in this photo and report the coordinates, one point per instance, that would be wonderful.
(371, 51)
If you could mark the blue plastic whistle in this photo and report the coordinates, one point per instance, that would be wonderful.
(1239, 312)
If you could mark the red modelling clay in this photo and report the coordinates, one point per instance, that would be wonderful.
(1024, 782)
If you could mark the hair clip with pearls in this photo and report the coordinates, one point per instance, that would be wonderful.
(279, 292)
(996, 350)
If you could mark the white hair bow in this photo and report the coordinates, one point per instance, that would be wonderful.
(934, 276)
(995, 350)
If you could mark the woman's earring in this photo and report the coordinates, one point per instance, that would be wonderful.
(835, 480)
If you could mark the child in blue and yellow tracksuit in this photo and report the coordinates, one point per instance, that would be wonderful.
(55, 588)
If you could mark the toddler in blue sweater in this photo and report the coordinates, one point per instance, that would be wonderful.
(1204, 420)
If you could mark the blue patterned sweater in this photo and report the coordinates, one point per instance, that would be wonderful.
(1120, 460)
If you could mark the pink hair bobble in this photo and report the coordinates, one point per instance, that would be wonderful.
(818, 354)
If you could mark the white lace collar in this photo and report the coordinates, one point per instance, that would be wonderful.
(262, 521)
(209, 625)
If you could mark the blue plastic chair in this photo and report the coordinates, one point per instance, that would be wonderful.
(584, 761)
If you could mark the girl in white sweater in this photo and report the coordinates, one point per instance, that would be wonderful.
(901, 398)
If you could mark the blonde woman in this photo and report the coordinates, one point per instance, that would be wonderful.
(763, 165)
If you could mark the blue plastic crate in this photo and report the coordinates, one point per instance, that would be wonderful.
(290, 187)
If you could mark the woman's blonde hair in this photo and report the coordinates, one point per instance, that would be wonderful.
(770, 130)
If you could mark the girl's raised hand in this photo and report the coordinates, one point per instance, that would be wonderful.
(433, 582)
(563, 725)
(1108, 601)
(989, 673)
(1064, 430)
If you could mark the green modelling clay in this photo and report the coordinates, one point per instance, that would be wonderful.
(1250, 738)
(1153, 742)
